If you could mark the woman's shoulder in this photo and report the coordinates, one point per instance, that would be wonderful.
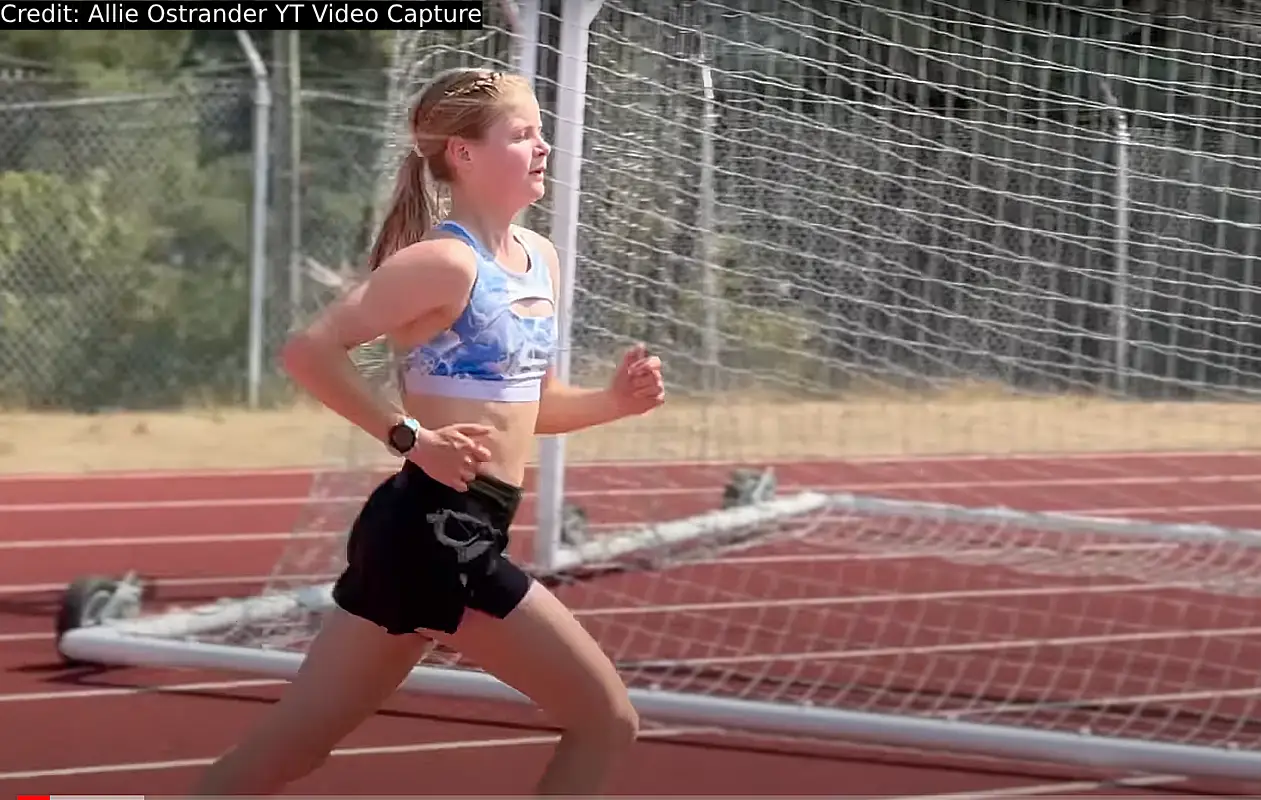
(433, 257)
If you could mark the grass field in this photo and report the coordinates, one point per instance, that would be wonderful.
(750, 430)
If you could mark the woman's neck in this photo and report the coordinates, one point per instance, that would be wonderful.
(492, 228)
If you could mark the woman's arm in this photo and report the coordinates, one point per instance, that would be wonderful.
(636, 388)
(564, 408)
(412, 283)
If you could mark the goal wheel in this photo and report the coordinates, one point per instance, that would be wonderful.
(748, 487)
(93, 599)
(83, 602)
(573, 525)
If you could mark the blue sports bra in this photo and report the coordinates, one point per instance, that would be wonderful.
(490, 352)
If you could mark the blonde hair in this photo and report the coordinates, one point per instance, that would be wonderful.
(459, 102)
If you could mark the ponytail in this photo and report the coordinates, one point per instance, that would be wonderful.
(410, 214)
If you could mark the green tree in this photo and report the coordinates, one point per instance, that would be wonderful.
(125, 188)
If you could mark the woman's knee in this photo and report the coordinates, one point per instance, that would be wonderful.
(623, 721)
(614, 722)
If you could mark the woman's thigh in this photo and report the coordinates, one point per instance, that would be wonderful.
(351, 668)
(542, 651)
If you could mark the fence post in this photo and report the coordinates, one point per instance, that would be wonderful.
(258, 224)
(706, 221)
(1120, 243)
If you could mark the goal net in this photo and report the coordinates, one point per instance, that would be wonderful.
(956, 304)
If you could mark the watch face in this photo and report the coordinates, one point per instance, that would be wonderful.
(402, 438)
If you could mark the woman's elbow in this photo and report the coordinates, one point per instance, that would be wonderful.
(297, 352)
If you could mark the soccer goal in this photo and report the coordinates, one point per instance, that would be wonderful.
(957, 303)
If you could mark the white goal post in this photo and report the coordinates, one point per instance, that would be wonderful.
(868, 235)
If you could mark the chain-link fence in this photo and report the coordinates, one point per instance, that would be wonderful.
(125, 237)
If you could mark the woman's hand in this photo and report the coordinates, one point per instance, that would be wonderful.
(637, 387)
(451, 455)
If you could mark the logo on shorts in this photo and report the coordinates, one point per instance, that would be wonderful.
(467, 535)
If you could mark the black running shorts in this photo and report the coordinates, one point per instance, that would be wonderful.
(420, 553)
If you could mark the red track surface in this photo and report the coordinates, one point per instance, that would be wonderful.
(87, 732)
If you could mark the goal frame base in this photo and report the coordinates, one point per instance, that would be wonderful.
(107, 644)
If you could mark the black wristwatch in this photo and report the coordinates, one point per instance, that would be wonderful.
(402, 436)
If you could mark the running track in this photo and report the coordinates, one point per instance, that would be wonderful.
(210, 535)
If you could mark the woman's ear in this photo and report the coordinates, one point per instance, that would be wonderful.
(458, 152)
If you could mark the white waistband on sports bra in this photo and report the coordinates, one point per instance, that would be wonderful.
(517, 391)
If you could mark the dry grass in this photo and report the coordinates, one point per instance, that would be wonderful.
(748, 429)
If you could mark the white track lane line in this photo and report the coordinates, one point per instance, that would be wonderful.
(226, 580)
(954, 648)
(753, 560)
(135, 541)
(32, 636)
(344, 752)
(226, 538)
(305, 499)
(638, 491)
(647, 464)
(211, 538)
(131, 691)
(1066, 787)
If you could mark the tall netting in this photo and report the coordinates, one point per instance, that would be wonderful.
(883, 247)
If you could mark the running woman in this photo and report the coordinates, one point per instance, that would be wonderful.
(470, 303)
